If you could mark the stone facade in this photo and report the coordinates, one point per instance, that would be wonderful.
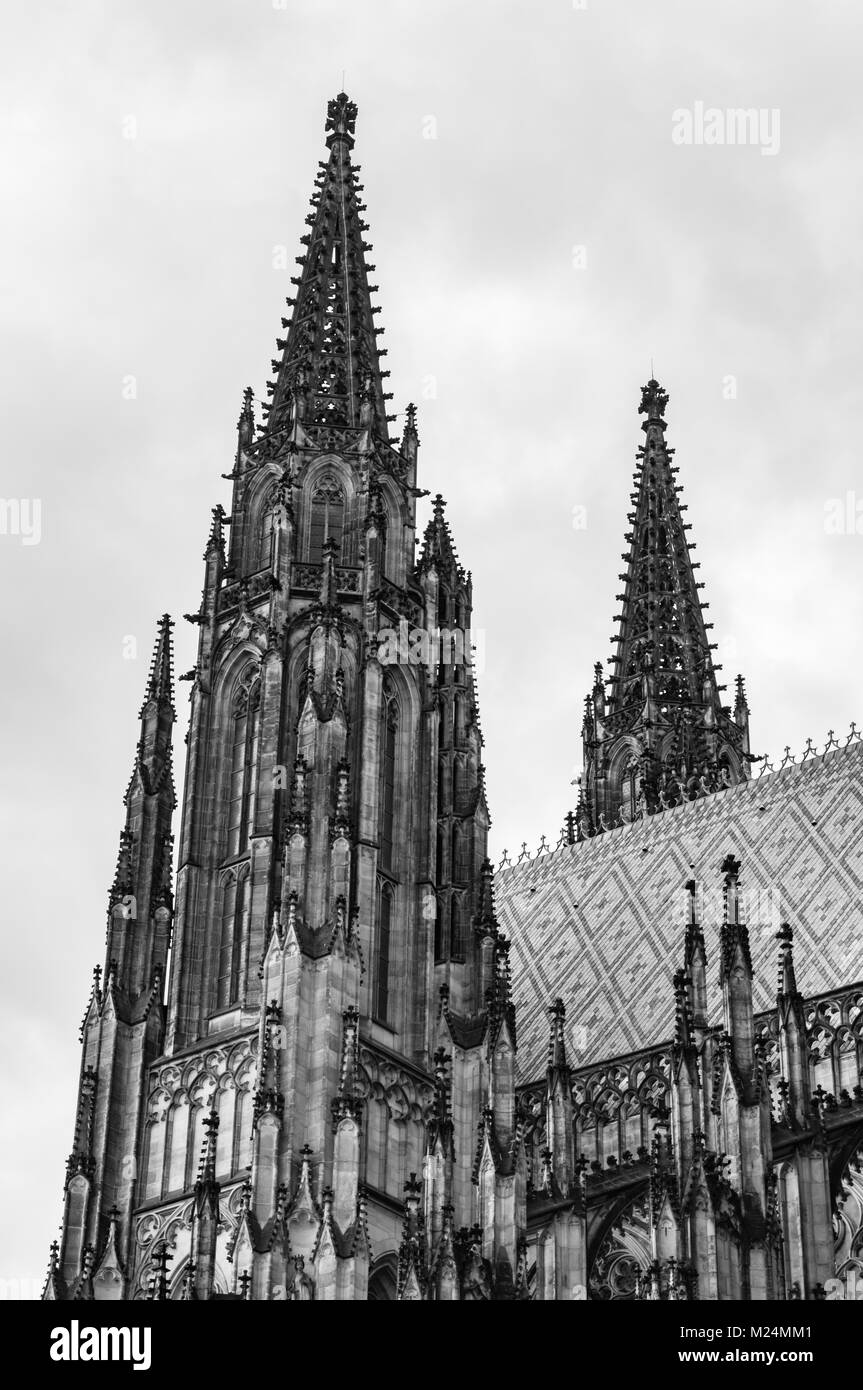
(321, 1100)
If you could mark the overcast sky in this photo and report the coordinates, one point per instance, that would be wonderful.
(539, 237)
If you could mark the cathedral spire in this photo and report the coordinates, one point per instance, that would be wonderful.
(205, 1213)
(140, 896)
(328, 375)
(663, 703)
(438, 547)
(662, 645)
(559, 1105)
(160, 681)
(793, 1048)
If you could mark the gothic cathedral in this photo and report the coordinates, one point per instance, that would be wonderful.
(298, 1075)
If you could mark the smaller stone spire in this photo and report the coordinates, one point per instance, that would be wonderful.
(53, 1287)
(486, 919)
(216, 539)
(410, 438)
(413, 1256)
(161, 1259)
(662, 710)
(557, 1038)
(796, 1094)
(787, 979)
(160, 681)
(245, 425)
(348, 1101)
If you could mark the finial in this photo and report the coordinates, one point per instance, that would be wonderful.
(730, 868)
(410, 439)
(486, 919)
(653, 402)
(787, 979)
(341, 120)
(246, 422)
(557, 1038)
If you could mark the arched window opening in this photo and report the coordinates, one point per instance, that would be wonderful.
(388, 782)
(457, 942)
(383, 1281)
(265, 549)
(446, 722)
(326, 519)
(231, 940)
(237, 939)
(460, 855)
(460, 718)
(386, 543)
(382, 975)
(441, 857)
(244, 758)
(439, 926)
(457, 783)
(229, 906)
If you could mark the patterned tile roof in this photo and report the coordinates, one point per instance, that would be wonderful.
(601, 922)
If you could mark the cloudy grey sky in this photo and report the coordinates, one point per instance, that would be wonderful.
(539, 237)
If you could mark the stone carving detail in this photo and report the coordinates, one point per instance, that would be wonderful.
(221, 1077)
(405, 1096)
(309, 577)
(348, 581)
(210, 1065)
(256, 586)
(172, 1226)
(623, 1250)
(848, 1234)
(401, 603)
(608, 1099)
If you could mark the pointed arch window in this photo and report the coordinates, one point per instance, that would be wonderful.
(460, 718)
(388, 780)
(244, 759)
(441, 856)
(457, 783)
(382, 973)
(630, 788)
(440, 931)
(234, 895)
(265, 550)
(441, 785)
(326, 518)
(457, 933)
(386, 541)
(460, 855)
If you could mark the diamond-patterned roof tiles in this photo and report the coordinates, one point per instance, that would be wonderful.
(601, 922)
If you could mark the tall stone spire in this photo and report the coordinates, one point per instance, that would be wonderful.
(123, 1026)
(660, 734)
(328, 375)
(140, 896)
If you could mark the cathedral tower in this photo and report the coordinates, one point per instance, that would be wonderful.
(335, 960)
